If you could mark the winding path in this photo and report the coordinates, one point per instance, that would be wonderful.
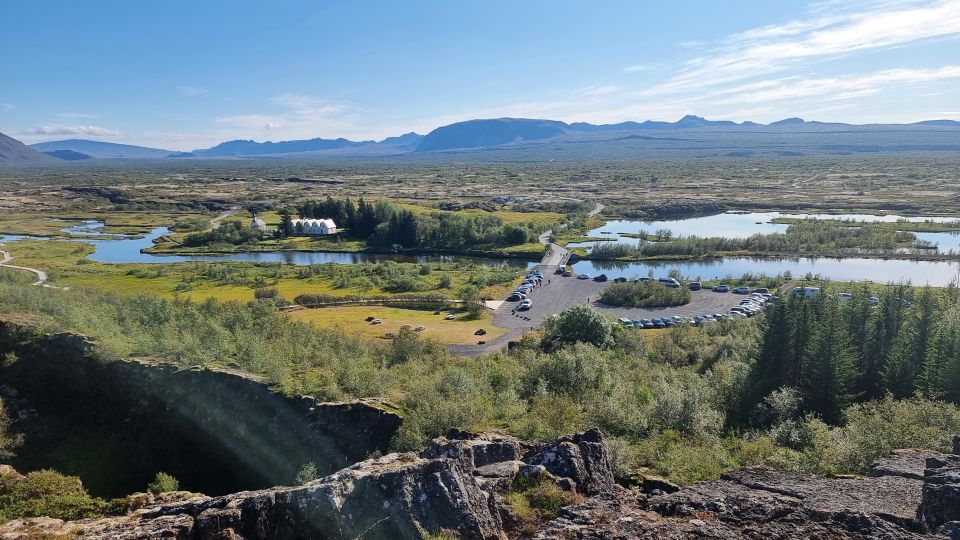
(559, 255)
(5, 258)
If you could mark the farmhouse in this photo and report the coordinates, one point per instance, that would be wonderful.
(314, 226)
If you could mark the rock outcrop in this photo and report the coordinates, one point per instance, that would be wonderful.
(458, 487)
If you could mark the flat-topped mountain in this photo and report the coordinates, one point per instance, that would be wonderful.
(100, 149)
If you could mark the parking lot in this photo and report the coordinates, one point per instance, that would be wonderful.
(559, 293)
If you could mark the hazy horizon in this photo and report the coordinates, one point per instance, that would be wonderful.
(374, 70)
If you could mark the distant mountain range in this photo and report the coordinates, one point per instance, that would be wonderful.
(524, 138)
(100, 149)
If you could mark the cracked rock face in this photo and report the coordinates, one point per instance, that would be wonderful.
(456, 487)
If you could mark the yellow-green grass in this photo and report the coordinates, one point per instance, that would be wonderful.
(912, 226)
(352, 320)
(506, 216)
(66, 264)
(115, 222)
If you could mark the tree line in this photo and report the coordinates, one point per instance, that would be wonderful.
(387, 224)
(814, 237)
(838, 352)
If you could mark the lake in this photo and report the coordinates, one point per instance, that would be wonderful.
(127, 250)
(744, 224)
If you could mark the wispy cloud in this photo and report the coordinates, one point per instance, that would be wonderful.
(191, 91)
(637, 68)
(6, 107)
(76, 116)
(300, 115)
(603, 90)
(775, 48)
(64, 129)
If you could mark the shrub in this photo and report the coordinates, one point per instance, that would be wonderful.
(46, 493)
(8, 441)
(163, 483)
(308, 473)
(876, 428)
(644, 294)
(578, 323)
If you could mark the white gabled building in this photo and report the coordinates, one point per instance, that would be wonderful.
(315, 226)
(258, 224)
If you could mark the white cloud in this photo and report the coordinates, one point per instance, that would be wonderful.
(637, 68)
(6, 107)
(63, 129)
(191, 91)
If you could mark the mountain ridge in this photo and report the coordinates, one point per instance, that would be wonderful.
(474, 134)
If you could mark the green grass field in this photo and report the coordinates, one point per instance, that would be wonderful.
(352, 320)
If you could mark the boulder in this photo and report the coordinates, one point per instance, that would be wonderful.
(583, 458)
(939, 510)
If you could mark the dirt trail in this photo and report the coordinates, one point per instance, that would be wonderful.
(41, 281)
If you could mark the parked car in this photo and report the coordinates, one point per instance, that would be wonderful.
(646, 323)
(762, 290)
(526, 304)
(719, 316)
(735, 313)
(668, 322)
(741, 290)
(657, 323)
(583, 276)
(669, 282)
(873, 301)
(694, 286)
(625, 321)
(515, 297)
(601, 278)
(721, 288)
(844, 296)
(620, 280)
(639, 279)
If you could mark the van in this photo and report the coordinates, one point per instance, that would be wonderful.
(806, 292)
(669, 282)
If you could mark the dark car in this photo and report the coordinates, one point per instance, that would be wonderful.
(620, 280)
(668, 322)
(601, 278)
(694, 286)
(514, 298)
(657, 323)
(721, 288)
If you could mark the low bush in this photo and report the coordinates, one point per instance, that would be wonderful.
(644, 294)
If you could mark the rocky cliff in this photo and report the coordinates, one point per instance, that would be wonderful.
(461, 487)
(116, 423)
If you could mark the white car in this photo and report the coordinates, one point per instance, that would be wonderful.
(526, 304)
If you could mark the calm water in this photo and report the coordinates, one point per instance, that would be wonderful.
(936, 273)
(127, 250)
(742, 225)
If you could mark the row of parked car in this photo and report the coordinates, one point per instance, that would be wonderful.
(668, 322)
(533, 280)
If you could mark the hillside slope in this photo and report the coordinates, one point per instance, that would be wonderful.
(13, 151)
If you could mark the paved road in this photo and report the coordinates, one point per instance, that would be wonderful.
(557, 254)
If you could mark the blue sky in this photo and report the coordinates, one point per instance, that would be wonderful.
(189, 74)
